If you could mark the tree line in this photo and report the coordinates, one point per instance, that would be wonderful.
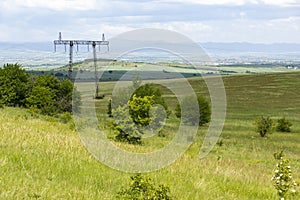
(43, 94)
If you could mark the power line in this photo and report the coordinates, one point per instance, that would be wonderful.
(76, 43)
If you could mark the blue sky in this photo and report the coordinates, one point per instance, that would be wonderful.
(254, 21)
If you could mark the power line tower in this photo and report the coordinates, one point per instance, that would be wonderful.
(87, 43)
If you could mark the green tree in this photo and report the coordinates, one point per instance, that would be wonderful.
(190, 114)
(125, 129)
(264, 126)
(283, 125)
(49, 81)
(66, 94)
(143, 188)
(149, 89)
(62, 94)
(130, 126)
(42, 98)
(14, 83)
(139, 108)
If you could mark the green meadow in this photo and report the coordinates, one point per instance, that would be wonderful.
(43, 158)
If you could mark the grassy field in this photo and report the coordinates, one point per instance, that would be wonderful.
(42, 158)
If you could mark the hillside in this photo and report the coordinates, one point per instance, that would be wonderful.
(43, 158)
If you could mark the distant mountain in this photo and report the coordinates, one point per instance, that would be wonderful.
(211, 47)
(31, 46)
(216, 48)
(235, 47)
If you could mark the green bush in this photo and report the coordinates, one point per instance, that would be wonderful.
(52, 96)
(44, 93)
(283, 125)
(190, 116)
(14, 85)
(42, 98)
(139, 108)
(66, 117)
(142, 188)
(149, 89)
(124, 128)
(134, 118)
(264, 126)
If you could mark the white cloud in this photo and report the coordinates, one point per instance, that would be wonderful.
(282, 2)
(58, 5)
(238, 2)
(205, 20)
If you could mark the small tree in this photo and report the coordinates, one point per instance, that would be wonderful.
(149, 89)
(14, 83)
(264, 126)
(125, 129)
(190, 116)
(283, 125)
(64, 95)
(42, 98)
(142, 188)
(283, 180)
(139, 108)
(133, 117)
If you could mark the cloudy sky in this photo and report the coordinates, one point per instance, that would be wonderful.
(255, 21)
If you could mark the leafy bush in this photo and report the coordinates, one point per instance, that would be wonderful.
(66, 117)
(190, 116)
(14, 85)
(135, 118)
(142, 188)
(139, 108)
(43, 94)
(283, 180)
(283, 125)
(149, 89)
(52, 96)
(42, 98)
(264, 126)
(124, 128)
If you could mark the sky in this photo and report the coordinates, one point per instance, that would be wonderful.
(253, 21)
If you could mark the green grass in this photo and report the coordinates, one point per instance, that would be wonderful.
(41, 158)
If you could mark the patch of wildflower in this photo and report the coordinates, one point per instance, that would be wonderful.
(283, 180)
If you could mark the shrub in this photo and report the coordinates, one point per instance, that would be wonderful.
(42, 98)
(139, 108)
(66, 94)
(134, 118)
(66, 117)
(190, 116)
(14, 83)
(149, 89)
(124, 128)
(283, 180)
(142, 188)
(283, 125)
(264, 126)
(58, 98)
